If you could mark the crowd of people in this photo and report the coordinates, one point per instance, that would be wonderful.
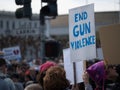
(51, 75)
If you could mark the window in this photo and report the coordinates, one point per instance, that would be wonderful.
(30, 24)
(7, 24)
(13, 25)
(1, 24)
(35, 25)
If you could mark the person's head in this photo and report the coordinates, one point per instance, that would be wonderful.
(100, 71)
(46, 65)
(97, 72)
(111, 73)
(3, 65)
(55, 79)
(43, 69)
(33, 87)
(28, 78)
(15, 77)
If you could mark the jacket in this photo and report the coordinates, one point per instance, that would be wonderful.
(6, 83)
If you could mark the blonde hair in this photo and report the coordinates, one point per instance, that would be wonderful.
(33, 87)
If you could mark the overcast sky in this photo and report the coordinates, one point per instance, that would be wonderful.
(64, 5)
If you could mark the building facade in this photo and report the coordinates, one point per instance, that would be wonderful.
(9, 25)
(27, 33)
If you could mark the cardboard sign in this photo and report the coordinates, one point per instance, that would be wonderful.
(82, 33)
(110, 43)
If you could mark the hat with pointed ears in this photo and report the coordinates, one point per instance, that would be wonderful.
(97, 72)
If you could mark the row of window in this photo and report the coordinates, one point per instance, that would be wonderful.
(8, 24)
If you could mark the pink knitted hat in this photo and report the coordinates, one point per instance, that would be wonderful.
(47, 65)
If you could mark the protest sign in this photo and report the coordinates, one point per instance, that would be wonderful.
(12, 53)
(68, 65)
(110, 43)
(82, 33)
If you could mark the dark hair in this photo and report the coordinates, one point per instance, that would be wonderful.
(29, 77)
(14, 75)
(109, 67)
(118, 69)
(2, 62)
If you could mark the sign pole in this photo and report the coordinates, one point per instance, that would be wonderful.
(84, 63)
(74, 70)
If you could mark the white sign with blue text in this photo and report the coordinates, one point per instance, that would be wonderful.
(82, 33)
(12, 53)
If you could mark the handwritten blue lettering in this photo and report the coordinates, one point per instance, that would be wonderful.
(80, 16)
(84, 42)
(81, 30)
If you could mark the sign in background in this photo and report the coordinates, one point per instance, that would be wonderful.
(12, 53)
(68, 65)
(110, 43)
(82, 33)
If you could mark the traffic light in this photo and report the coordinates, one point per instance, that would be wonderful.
(25, 11)
(49, 10)
(52, 48)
